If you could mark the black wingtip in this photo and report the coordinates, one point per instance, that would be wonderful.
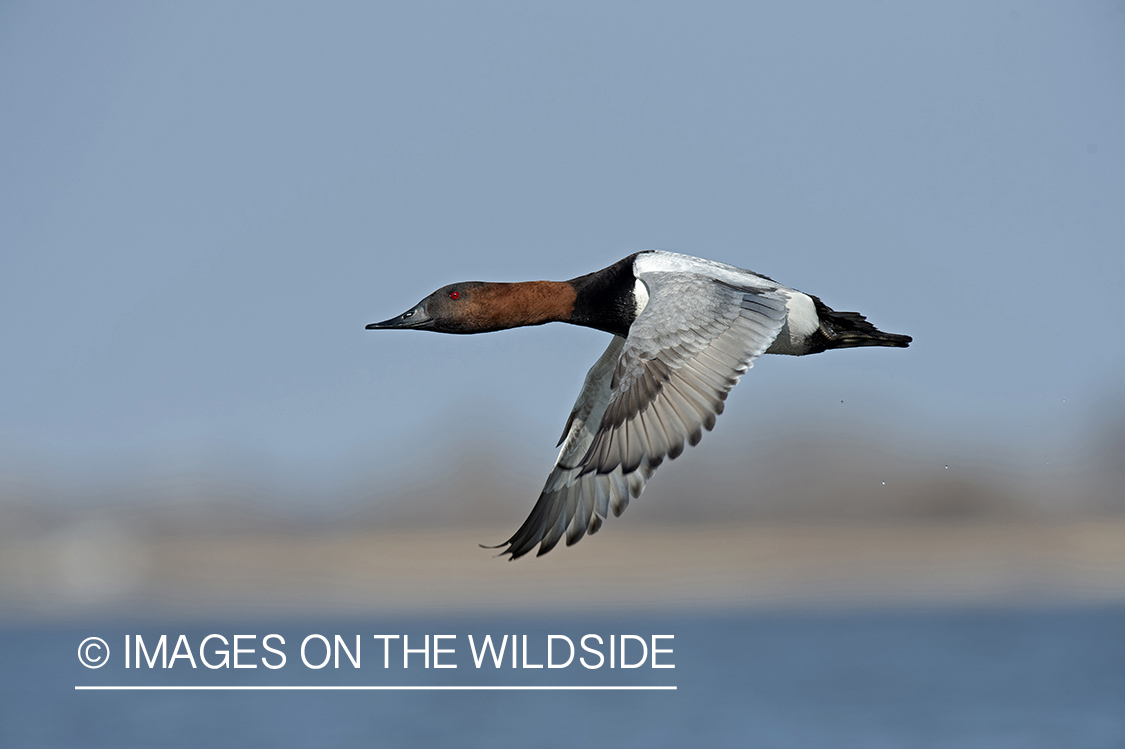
(506, 551)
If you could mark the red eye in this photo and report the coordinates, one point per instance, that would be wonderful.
(455, 295)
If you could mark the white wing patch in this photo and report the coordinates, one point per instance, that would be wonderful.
(640, 295)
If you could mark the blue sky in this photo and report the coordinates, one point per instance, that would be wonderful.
(202, 204)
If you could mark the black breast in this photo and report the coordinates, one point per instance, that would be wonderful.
(605, 299)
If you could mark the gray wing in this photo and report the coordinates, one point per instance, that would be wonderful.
(646, 395)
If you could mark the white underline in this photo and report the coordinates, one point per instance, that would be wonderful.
(378, 688)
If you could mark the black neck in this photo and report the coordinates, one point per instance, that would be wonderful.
(605, 298)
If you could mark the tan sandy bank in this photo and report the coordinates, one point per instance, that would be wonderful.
(97, 570)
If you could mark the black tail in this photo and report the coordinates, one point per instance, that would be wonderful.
(848, 330)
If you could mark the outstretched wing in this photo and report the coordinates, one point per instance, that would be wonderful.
(646, 395)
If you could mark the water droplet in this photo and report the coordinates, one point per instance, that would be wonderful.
(884, 483)
(947, 468)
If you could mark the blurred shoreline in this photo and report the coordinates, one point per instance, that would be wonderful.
(97, 570)
(827, 515)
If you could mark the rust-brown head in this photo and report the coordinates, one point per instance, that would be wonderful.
(480, 307)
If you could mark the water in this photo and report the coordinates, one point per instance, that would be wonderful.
(965, 678)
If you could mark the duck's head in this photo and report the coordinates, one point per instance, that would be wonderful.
(480, 307)
(448, 310)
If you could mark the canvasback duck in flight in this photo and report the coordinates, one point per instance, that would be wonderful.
(684, 331)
